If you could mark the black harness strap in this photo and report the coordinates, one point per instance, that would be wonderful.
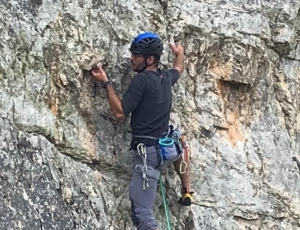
(155, 145)
(146, 137)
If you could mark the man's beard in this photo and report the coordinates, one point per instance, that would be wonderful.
(138, 68)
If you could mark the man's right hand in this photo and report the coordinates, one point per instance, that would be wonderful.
(177, 49)
(99, 74)
(179, 53)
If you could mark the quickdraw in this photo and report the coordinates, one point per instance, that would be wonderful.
(142, 152)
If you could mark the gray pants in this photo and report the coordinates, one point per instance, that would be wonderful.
(142, 201)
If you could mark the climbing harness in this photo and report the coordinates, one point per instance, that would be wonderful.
(142, 153)
(165, 203)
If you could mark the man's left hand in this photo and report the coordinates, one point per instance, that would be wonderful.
(99, 74)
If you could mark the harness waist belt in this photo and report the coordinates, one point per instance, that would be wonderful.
(146, 137)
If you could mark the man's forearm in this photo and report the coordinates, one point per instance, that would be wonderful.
(179, 62)
(115, 102)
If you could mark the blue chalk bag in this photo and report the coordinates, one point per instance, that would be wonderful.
(167, 148)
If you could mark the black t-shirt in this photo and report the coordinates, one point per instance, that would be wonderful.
(149, 100)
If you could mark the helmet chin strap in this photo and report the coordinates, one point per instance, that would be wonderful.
(143, 69)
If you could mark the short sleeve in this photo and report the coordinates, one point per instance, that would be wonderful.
(174, 74)
(133, 94)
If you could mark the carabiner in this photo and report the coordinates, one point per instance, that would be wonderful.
(180, 167)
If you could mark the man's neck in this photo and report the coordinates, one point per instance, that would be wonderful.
(153, 68)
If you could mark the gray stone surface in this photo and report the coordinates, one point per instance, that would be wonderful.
(64, 160)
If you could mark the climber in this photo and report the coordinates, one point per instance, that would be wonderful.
(149, 100)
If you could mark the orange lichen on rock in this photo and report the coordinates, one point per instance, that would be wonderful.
(87, 142)
(52, 103)
(54, 109)
(220, 70)
(234, 132)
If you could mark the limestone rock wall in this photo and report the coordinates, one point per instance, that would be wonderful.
(64, 160)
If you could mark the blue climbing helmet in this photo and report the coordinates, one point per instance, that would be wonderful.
(147, 44)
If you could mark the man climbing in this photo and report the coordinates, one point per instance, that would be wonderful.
(149, 100)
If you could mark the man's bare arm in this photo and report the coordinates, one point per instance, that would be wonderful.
(178, 50)
(179, 62)
(115, 102)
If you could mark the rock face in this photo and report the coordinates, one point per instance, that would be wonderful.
(64, 159)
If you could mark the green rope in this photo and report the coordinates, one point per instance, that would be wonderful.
(165, 203)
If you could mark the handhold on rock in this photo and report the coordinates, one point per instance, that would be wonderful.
(297, 162)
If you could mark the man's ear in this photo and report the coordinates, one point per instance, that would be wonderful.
(150, 60)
